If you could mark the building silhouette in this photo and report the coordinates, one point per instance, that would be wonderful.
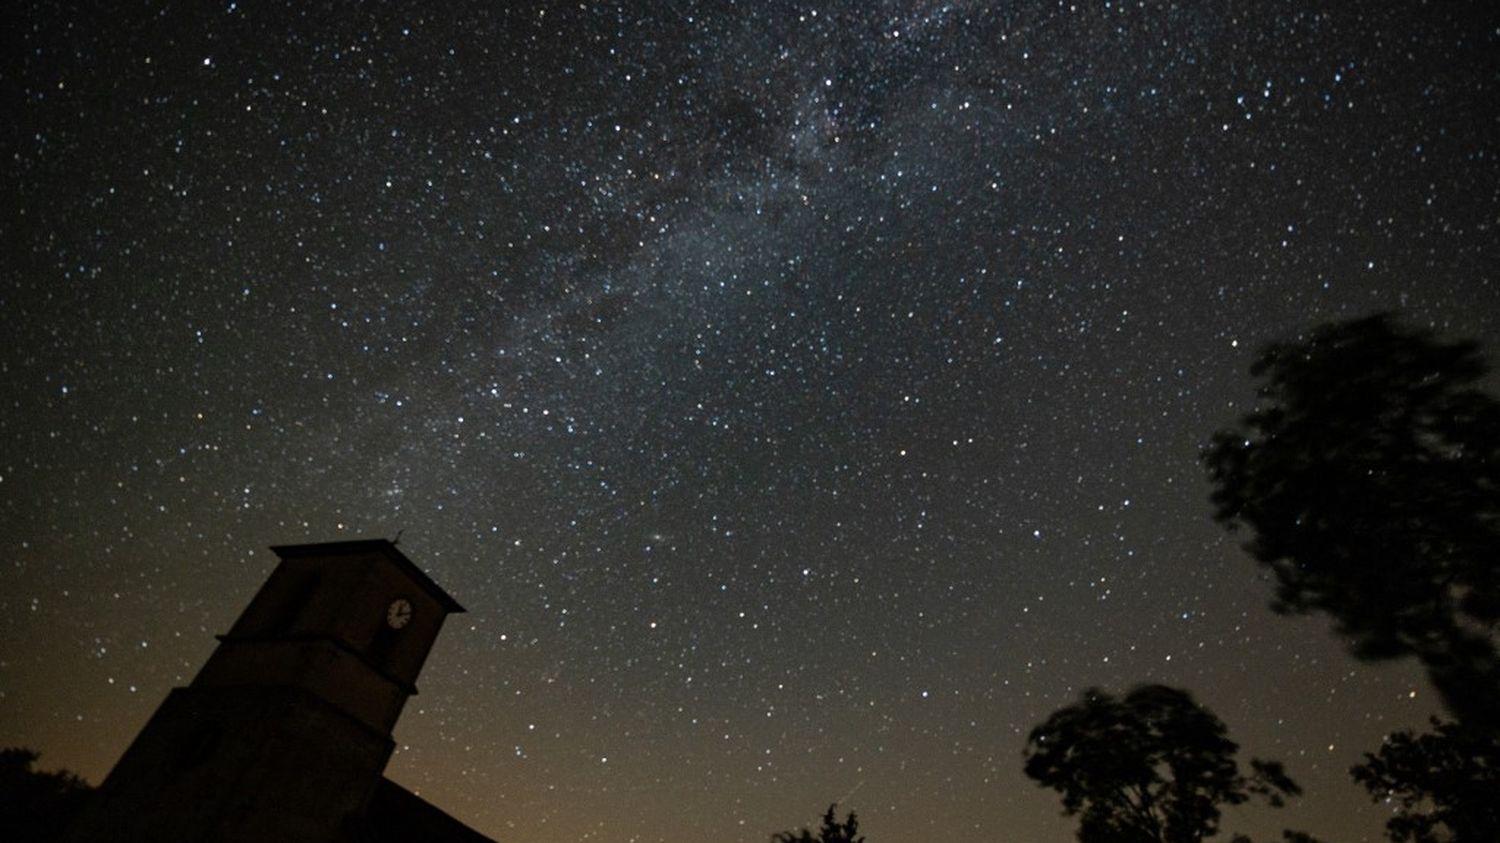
(285, 733)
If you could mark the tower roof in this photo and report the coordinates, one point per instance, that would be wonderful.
(365, 547)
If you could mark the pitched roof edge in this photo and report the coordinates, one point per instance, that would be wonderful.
(385, 548)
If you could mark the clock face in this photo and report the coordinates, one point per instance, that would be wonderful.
(398, 614)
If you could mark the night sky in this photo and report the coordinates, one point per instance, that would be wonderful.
(804, 399)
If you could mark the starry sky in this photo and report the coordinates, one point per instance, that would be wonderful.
(804, 399)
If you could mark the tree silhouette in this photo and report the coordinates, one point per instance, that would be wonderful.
(1152, 767)
(1287, 836)
(1369, 478)
(832, 831)
(1446, 784)
(36, 806)
(1298, 837)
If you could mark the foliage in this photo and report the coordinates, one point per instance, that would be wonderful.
(1152, 767)
(1369, 477)
(1446, 784)
(832, 831)
(1290, 836)
(1287, 836)
(36, 806)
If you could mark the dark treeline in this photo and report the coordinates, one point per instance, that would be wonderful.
(832, 831)
(36, 806)
(1367, 480)
(1153, 765)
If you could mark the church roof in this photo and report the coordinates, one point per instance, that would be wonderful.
(382, 547)
(396, 815)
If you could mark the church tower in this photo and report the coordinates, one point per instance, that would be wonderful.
(285, 732)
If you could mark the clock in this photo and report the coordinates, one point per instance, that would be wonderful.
(398, 614)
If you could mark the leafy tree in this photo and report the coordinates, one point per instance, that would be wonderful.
(832, 831)
(36, 806)
(1287, 836)
(1151, 767)
(1446, 784)
(1369, 478)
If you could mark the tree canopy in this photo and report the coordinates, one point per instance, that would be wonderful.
(1368, 476)
(1445, 784)
(1151, 767)
(36, 806)
(832, 831)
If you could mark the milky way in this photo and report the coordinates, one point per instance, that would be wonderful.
(805, 400)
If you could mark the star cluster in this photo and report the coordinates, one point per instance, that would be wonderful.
(804, 398)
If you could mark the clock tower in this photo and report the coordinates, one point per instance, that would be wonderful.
(285, 732)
